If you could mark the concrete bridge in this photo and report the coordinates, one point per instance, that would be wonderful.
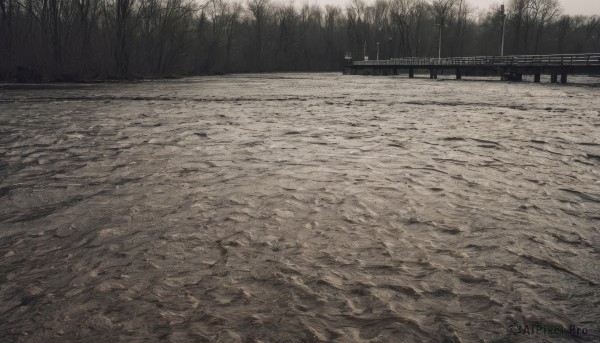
(511, 68)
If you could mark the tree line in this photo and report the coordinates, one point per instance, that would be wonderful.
(98, 39)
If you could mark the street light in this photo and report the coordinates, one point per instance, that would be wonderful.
(503, 16)
(440, 41)
(378, 34)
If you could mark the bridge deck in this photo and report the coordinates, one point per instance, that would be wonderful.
(579, 60)
(511, 67)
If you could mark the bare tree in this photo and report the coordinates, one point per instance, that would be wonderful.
(463, 11)
(123, 26)
(442, 10)
(545, 11)
(233, 15)
(518, 10)
(332, 15)
(358, 26)
(259, 12)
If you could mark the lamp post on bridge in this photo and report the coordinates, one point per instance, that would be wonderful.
(503, 16)
(378, 34)
(440, 41)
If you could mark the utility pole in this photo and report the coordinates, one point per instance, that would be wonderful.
(503, 16)
(440, 44)
(378, 34)
(440, 41)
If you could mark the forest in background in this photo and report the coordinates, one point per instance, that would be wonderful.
(70, 40)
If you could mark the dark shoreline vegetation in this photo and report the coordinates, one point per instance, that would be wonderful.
(87, 40)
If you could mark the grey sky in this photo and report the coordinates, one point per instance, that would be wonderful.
(588, 7)
(569, 6)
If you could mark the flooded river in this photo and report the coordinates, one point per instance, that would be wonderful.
(300, 208)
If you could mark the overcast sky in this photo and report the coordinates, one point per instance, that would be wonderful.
(588, 7)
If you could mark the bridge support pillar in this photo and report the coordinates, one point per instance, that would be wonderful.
(537, 77)
(411, 73)
(512, 76)
(554, 76)
(433, 73)
(458, 74)
(563, 77)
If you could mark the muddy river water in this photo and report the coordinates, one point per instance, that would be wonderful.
(300, 208)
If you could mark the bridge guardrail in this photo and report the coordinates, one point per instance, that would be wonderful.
(517, 60)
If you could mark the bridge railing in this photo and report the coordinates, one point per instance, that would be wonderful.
(517, 60)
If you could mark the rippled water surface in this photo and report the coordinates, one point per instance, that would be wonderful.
(299, 208)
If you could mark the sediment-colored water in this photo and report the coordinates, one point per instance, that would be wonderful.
(299, 208)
